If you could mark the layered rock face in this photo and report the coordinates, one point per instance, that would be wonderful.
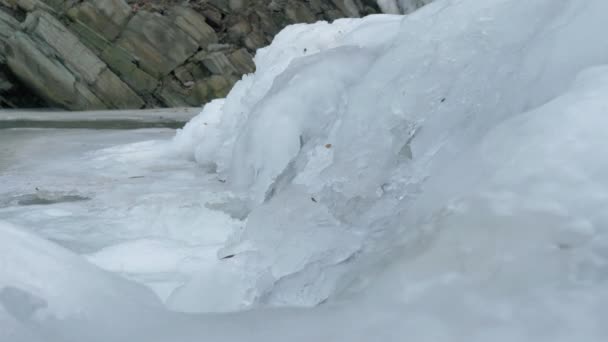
(104, 54)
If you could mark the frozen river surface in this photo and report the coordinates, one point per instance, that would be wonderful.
(117, 199)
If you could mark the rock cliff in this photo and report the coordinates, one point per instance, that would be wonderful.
(104, 54)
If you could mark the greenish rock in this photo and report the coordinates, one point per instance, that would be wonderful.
(5, 84)
(217, 47)
(194, 25)
(46, 76)
(173, 94)
(238, 5)
(266, 22)
(184, 74)
(239, 30)
(299, 13)
(89, 37)
(60, 6)
(198, 71)
(316, 6)
(112, 91)
(199, 94)
(348, 8)
(76, 56)
(217, 63)
(105, 17)
(223, 5)
(254, 41)
(211, 88)
(219, 85)
(213, 16)
(242, 61)
(123, 64)
(29, 5)
(8, 26)
(75, 69)
(88, 54)
(158, 44)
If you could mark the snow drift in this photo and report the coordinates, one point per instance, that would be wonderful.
(443, 173)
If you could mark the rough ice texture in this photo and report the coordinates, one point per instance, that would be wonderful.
(434, 177)
(351, 135)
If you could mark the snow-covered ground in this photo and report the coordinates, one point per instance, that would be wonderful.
(434, 177)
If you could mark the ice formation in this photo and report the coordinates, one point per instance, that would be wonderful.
(351, 136)
(439, 176)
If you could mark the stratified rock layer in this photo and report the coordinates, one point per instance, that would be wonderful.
(104, 54)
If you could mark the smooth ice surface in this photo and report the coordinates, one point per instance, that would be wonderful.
(434, 177)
